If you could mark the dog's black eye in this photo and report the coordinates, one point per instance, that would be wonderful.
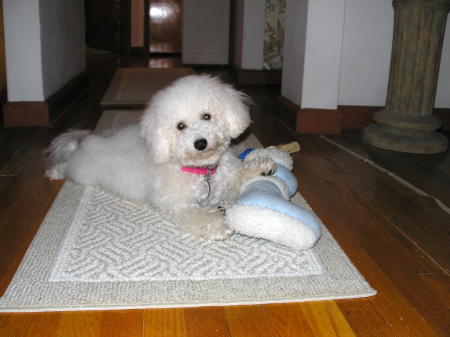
(181, 126)
(206, 116)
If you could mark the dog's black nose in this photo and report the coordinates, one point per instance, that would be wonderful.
(201, 144)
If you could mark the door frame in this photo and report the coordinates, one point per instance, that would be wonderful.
(121, 25)
(146, 27)
(123, 15)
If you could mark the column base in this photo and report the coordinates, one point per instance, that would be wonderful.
(389, 139)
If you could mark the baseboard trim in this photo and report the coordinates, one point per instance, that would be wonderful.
(322, 121)
(357, 116)
(26, 114)
(288, 111)
(43, 113)
(333, 121)
(300, 120)
(258, 77)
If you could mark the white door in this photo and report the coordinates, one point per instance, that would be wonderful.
(205, 31)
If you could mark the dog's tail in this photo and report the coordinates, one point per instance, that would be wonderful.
(60, 150)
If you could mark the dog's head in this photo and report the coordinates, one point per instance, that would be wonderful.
(192, 121)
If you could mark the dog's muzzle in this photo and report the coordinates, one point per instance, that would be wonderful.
(201, 144)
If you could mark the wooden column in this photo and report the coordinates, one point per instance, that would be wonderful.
(407, 124)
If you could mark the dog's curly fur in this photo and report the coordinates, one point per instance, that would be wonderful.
(143, 162)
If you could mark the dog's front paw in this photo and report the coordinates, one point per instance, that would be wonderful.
(254, 168)
(218, 230)
(265, 166)
(269, 168)
(203, 223)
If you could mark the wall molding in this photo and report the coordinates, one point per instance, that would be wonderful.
(309, 120)
(323, 121)
(333, 121)
(357, 116)
(43, 113)
(26, 114)
(288, 111)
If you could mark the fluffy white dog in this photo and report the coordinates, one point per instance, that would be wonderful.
(176, 159)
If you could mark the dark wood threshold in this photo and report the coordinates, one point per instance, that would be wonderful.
(43, 113)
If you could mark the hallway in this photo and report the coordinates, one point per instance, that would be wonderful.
(396, 237)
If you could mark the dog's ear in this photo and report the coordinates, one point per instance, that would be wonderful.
(238, 116)
(155, 137)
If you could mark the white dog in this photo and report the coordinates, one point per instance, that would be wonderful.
(176, 159)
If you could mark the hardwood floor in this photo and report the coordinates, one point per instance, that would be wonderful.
(430, 173)
(397, 238)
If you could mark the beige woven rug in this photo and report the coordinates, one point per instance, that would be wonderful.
(96, 251)
(135, 86)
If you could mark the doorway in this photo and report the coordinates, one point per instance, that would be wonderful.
(163, 26)
(108, 25)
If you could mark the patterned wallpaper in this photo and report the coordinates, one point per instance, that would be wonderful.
(273, 34)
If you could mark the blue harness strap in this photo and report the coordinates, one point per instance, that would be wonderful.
(245, 153)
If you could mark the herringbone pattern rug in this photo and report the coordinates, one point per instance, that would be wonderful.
(96, 251)
(116, 240)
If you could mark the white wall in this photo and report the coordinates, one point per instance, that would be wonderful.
(23, 50)
(238, 26)
(249, 38)
(62, 42)
(312, 52)
(294, 49)
(347, 54)
(44, 42)
(366, 52)
(253, 34)
(443, 87)
(324, 35)
(206, 25)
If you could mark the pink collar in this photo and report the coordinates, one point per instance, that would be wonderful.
(199, 170)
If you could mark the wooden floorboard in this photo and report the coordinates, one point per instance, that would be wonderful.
(431, 173)
(164, 322)
(14, 142)
(206, 322)
(395, 237)
(346, 209)
(419, 218)
(247, 321)
(286, 320)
